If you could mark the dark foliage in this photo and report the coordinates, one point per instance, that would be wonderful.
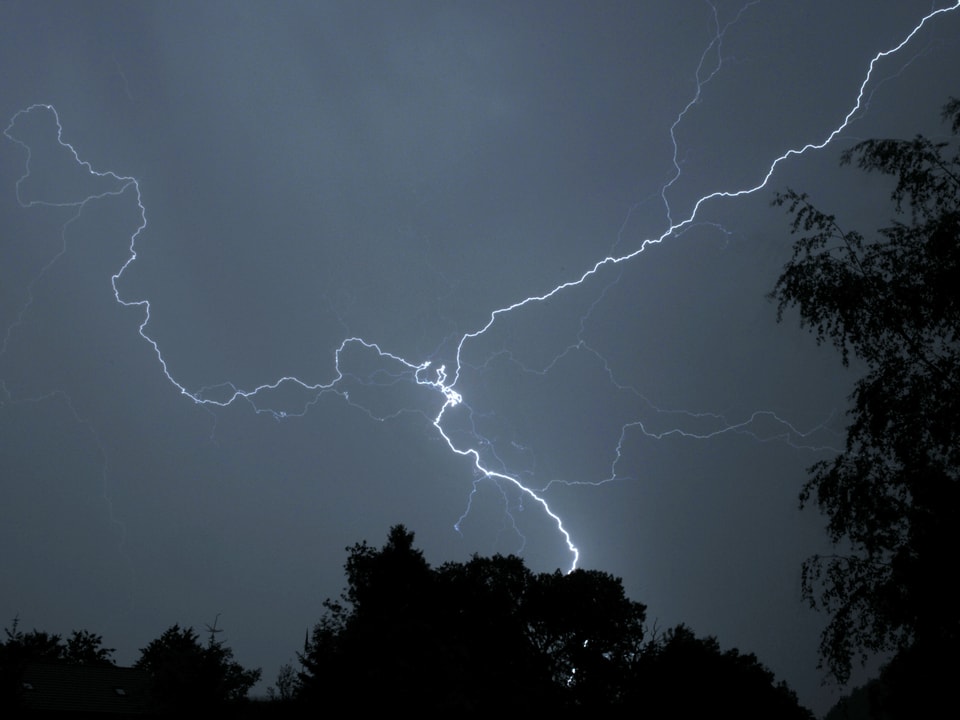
(189, 675)
(686, 676)
(489, 634)
(286, 687)
(20, 649)
(892, 498)
(85, 648)
(426, 639)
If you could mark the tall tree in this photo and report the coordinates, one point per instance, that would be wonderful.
(378, 635)
(892, 497)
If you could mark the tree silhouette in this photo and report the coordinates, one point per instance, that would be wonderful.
(20, 649)
(189, 675)
(377, 635)
(489, 634)
(285, 689)
(681, 675)
(589, 631)
(490, 637)
(38, 646)
(35, 646)
(892, 498)
(440, 638)
(86, 648)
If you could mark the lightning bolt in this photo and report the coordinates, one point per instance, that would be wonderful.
(381, 369)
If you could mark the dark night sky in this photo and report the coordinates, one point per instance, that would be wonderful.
(396, 172)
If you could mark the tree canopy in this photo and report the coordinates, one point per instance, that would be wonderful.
(489, 633)
(187, 674)
(471, 637)
(892, 497)
(20, 649)
(681, 675)
(81, 648)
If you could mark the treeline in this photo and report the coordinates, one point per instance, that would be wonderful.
(489, 634)
(473, 637)
(177, 672)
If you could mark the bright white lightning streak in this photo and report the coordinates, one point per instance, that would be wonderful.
(418, 372)
(617, 259)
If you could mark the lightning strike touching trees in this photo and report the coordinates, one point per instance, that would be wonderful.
(396, 273)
